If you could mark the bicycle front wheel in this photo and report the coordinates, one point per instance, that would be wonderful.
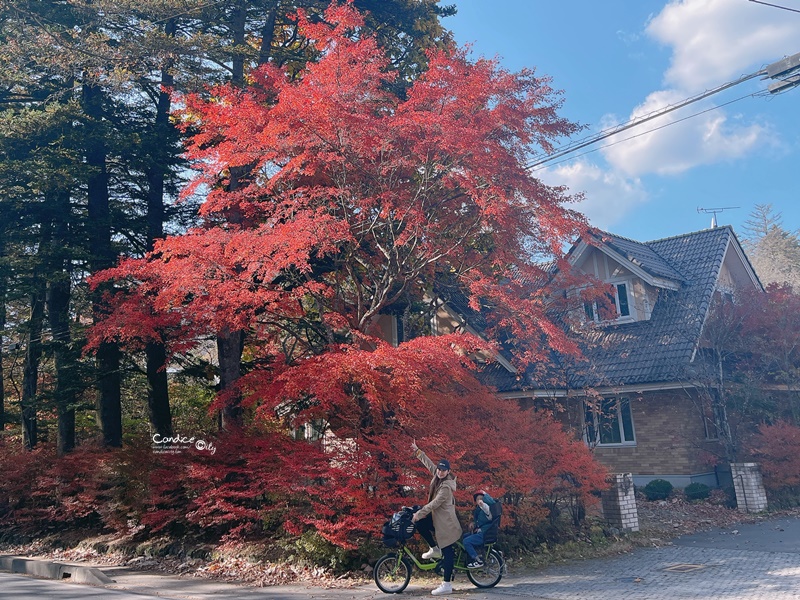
(392, 573)
(490, 574)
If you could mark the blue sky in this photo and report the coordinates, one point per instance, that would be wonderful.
(617, 59)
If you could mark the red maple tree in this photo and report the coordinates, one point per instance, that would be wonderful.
(350, 202)
(777, 449)
(770, 343)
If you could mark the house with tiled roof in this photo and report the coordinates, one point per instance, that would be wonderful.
(634, 396)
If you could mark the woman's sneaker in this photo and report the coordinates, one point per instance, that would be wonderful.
(475, 564)
(445, 588)
(434, 552)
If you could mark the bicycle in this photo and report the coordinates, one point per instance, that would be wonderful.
(392, 571)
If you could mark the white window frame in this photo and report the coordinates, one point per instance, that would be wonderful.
(311, 431)
(620, 318)
(631, 316)
(710, 431)
(589, 411)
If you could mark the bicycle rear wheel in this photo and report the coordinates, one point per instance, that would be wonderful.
(392, 573)
(490, 574)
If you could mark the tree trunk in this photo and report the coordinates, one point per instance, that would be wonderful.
(30, 368)
(719, 407)
(2, 367)
(230, 344)
(64, 393)
(109, 407)
(158, 395)
(3, 289)
(229, 350)
(238, 24)
(268, 34)
(156, 354)
(58, 299)
(794, 404)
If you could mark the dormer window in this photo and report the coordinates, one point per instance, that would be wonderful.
(623, 302)
(591, 310)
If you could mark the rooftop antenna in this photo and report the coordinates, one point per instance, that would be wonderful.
(714, 211)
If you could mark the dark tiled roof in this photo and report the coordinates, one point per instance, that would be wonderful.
(458, 302)
(497, 376)
(642, 255)
(656, 350)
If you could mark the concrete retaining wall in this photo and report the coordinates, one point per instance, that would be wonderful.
(53, 570)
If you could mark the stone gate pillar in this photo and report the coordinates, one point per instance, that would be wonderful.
(619, 503)
(750, 494)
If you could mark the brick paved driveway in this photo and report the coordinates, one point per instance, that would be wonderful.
(749, 562)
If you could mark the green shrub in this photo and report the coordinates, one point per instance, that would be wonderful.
(658, 489)
(312, 548)
(697, 491)
(784, 498)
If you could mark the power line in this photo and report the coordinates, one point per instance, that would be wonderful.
(570, 148)
(784, 70)
(775, 6)
(697, 114)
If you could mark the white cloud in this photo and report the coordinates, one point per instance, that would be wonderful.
(711, 42)
(609, 195)
(669, 145)
(714, 41)
(627, 37)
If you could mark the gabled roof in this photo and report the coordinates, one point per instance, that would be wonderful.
(641, 254)
(659, 349)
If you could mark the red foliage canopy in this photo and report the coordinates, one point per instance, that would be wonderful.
(330, 200)
(777, 448)
(347, 197)
(770, 335)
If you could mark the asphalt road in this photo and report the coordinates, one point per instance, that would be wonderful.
(746, 562)
(21, 587)
(774, 535)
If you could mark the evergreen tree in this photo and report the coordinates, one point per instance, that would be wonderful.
(3, 288)
(114, 63)
(38, 170)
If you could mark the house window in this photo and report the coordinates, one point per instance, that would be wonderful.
(609, 422)
(589, 308)
(310, 431)
(709, 424)
(727, 296)
(623, 308)
(621, 300)
(387, 328)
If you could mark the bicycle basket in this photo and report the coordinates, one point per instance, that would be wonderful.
(399, 528)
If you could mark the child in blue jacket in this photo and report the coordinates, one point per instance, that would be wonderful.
(482, 519)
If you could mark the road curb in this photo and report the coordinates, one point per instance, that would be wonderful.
(54, 570)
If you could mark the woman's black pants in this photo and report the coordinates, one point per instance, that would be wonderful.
(425, 529)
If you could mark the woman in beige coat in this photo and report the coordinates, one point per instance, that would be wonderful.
(439, 516)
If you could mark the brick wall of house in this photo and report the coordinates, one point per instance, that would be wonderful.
(670, 439)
